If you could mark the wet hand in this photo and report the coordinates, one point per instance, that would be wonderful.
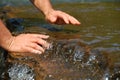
(28, 43)
(59, 17)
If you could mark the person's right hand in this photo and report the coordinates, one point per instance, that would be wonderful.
(28, 43)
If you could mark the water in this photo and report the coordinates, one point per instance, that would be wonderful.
(27, 2)
(100, 29)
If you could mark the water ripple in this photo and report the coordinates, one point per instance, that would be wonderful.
(110, 49)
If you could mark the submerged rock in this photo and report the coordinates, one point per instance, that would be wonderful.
(72, 60)
(20, 72)
(65, 60)
(3, 56)
(15, 24)
(51, 28)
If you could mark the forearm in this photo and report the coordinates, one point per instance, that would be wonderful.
(54, 16)
(5, 35)
(43, 5)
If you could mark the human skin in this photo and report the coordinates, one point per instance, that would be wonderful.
(23, 43)
(30, 43)
(54, 16)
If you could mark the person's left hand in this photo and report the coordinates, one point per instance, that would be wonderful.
(59, 17)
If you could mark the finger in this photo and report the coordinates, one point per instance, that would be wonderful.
(32, 50)
(64, 17)
(73, 20)
(41, 36)
(36, 47)
(41, 42)
(60, 21)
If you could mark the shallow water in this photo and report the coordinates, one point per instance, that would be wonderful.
(100, 28)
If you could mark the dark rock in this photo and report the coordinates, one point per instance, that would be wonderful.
(20, 72)
(15, 24)
(3, 56)
(64, 60)
(51, 28)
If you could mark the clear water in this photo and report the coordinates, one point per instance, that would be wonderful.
(99, 29)
(100, 26)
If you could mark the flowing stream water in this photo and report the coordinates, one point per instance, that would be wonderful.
(90, 51)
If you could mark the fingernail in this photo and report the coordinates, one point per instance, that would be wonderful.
(38, 52)
(67, 22)
(49, 46)
(47, 36)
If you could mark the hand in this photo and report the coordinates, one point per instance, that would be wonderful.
(59, 17)
(28, 43)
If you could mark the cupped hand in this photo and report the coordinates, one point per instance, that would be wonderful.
(59, 17)
(28, 43)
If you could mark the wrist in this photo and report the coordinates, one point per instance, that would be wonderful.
(6, 44)
(47, 12)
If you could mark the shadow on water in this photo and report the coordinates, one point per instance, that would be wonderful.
(88, 52)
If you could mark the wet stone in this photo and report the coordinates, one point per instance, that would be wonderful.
(15, 24)
(70, 58)
(20, 72)
(65, 60)
(2, 62)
